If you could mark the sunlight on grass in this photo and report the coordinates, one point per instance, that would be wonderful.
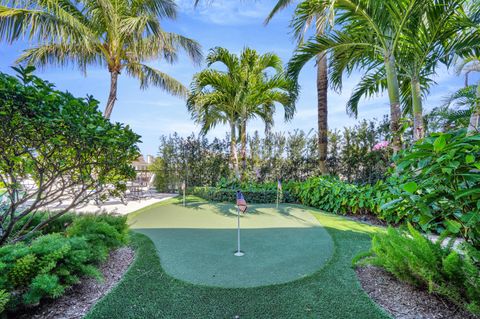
(342, 223)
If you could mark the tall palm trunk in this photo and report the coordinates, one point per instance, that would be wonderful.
(233, 150)
(418, 127)
(394, 97)
(322, 109)
(475, 117)
(112, 97)
(243, 143)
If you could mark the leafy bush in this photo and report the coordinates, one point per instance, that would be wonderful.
(333, 195)
(50, 263)
(4, 298)
(415, 259)
(436, 186)
(102, 232)
(54, 138)
(258, 196)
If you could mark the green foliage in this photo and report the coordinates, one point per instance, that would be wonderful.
(352, 153)
(413, 258)
(291, 157)
(4, 298)
(333, 195)
(102, 232)
(436, 186)
(56, 139)
(254, 196)
(50, 263)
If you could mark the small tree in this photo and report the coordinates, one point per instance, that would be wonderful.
(55, 148)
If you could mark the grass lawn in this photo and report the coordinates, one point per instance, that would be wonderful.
(333, 291)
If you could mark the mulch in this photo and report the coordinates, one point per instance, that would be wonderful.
(404, 301)
(80, 298)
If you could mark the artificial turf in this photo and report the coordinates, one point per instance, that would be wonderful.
(196, 243)
(146, 291)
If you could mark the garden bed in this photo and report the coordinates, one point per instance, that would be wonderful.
(404, 301)
(80, 298)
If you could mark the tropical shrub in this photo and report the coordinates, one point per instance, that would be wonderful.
(415, 259)
(102, 232)
(4, 297)
(436, 186)
(333, 195)
(47, 265)
(49, 137)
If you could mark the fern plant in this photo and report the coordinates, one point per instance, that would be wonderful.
(413, 258)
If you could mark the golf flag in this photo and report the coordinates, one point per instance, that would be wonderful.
(183, 185)
(279, 185)
(241, 202)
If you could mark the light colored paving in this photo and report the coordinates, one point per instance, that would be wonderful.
(117, 206)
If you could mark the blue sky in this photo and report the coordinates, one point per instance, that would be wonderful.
(231, 24)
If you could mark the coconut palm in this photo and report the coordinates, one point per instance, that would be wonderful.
(116, 34)
(369, 38)
(319, 14)
(247, 89)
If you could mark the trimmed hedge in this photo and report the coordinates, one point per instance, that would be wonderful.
(257, 196)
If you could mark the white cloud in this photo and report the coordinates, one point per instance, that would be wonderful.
(228, 12)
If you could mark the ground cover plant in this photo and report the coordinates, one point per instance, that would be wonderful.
(52, 261)
(413, 258)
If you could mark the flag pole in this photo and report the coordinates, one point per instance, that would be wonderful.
(239, 253)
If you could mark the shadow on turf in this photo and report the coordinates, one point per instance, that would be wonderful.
(230, 210)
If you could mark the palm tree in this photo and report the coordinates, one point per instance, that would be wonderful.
(369, 38)
(118, 35)
(429, 39)
(321, 15)
(468, 65)
(246, 90)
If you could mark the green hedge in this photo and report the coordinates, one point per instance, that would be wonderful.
(257, 196)
(47, 265)
(333, 195)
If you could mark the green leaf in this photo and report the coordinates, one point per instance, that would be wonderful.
(439, 143)
(467, 192)
(452, 226)
(410, 187)
(469, 159)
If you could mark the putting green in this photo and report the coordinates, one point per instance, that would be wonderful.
(196, 243)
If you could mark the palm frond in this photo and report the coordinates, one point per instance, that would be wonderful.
(149, 76)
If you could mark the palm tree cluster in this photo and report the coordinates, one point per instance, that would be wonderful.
(398, 44)
(249, 87)
(120, 35)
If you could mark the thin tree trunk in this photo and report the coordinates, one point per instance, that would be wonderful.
(475, 117)
(322, 109)
(394, 97)
(418, 125)
(233, 150)
(112, 97)
(243, 151)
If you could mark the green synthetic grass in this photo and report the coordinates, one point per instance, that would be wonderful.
(196, 243)
(146, 291)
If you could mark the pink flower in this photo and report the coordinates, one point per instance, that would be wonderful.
(380, 145)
